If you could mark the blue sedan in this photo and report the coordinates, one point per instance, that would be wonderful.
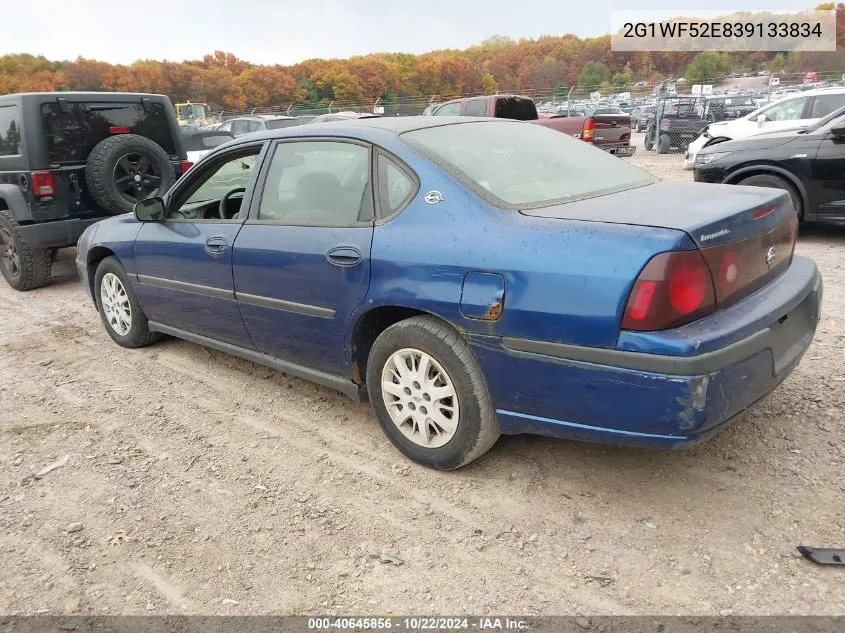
(471, 278)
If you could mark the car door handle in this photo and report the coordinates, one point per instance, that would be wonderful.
(344, 256)
(216, 246)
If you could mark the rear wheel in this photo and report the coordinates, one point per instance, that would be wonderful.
(23, 267)
(664, 144)
(776, 182)
(429, 394)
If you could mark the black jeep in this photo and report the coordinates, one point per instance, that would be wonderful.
(69, 159)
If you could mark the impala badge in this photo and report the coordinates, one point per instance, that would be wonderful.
(770, 255)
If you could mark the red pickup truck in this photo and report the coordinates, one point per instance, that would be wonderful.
(610, 132)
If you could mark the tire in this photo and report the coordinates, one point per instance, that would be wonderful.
(453, 366)
(776, 182)
(664, 144)
(23, 267)
(137, 334)
(120, 159)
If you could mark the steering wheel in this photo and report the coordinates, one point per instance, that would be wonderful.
(221, 209)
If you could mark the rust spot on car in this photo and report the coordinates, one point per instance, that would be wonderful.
(494, 311)
(356, 374)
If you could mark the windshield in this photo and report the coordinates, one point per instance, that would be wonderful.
(522, 166)
(195, 109)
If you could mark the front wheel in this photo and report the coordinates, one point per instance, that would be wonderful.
(429, 394)
(119, 308)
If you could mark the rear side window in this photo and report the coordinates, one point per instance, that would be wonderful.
(10, 131)
(73, 133)
(395, 186)
(825, 104)
(516, 108)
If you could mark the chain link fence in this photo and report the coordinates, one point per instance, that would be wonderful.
(673, 118)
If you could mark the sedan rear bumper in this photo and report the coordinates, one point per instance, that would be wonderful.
(654, 400)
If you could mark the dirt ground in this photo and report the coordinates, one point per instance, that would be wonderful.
(192, 482)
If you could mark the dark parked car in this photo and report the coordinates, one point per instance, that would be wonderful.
(808, 163)
(555, 290)
(69, 159)
(640, 116)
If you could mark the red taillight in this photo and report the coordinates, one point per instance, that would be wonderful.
(118, 129)
(673, 289)
(186, 165)
(589, 127)
(43, 184)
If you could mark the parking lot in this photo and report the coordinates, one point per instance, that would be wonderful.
(188, 481)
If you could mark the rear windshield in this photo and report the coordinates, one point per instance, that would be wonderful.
(523, 166)
(278, 124)
(515, 108)
(73, 133)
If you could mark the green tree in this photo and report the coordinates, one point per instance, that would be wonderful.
(777, 64)
(593, 74)
(620, 80)
(488, 83)
(707, 66)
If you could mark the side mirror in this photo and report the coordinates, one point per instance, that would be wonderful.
(838, 131)
(150, 210)
(761, 118)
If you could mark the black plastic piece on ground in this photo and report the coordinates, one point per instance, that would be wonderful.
(823, 556)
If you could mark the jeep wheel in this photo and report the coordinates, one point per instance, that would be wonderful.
(23, 267)
(126, 168)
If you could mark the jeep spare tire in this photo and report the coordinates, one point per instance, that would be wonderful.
(126, 168)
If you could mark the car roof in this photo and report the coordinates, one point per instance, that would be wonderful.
(85, 95)
(393, 126)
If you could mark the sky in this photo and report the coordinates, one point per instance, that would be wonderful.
(286, 32)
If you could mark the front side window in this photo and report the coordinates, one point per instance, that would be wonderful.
(221, 185)
(10, 131)
(476, 107)
(790, 110)
(318, 183)
(450, 109)
(515, 165)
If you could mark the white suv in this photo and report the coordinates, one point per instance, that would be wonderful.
(790, 112)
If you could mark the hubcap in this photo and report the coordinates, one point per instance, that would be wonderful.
(115, 304)
(9, 254)
(137, 177)
(420, 398)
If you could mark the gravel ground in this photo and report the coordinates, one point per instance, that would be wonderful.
(192, 482)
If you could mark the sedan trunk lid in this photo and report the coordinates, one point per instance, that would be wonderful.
(710, 214)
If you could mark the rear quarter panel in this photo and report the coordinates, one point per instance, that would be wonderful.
(565, 281)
